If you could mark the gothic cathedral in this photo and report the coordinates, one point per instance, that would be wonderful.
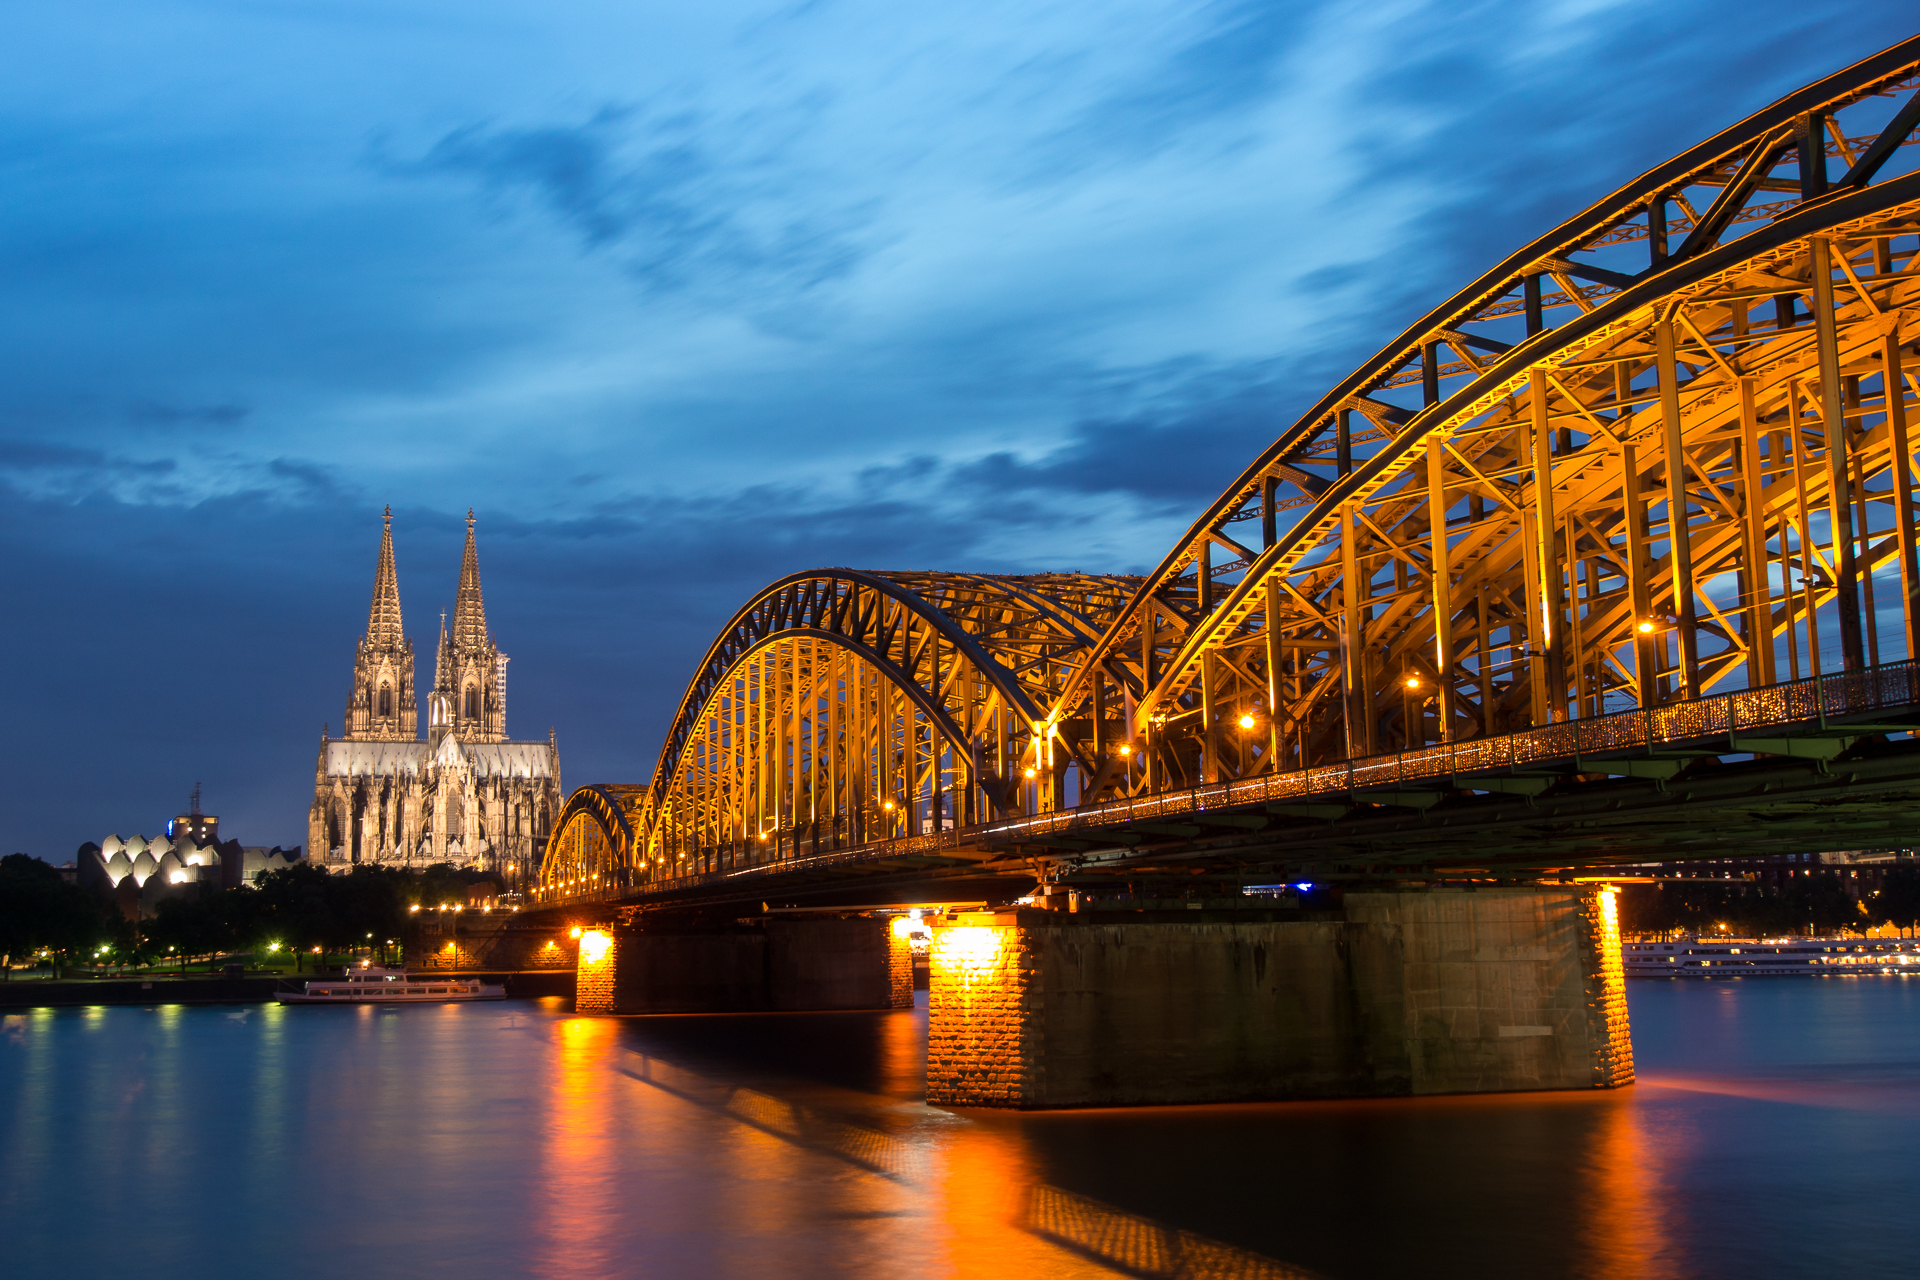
(466, 795)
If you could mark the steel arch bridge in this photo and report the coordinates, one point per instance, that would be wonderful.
(1660, 453)
(841, 707)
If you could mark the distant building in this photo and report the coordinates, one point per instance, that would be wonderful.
(139, 874)
(193, 824)
(466, 795)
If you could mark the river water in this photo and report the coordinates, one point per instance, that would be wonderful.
(1774, 1131)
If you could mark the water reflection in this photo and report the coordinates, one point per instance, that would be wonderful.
(1140, 1246)
(579, 1192)
(523, 1140)
(1624, 1206)
(967, 1180)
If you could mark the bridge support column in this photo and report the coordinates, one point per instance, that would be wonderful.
(781, 964)
(1414, 992)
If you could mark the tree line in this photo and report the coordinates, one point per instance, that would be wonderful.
(1818, 903)
(296, 910)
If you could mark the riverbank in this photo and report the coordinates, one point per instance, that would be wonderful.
(31, 993)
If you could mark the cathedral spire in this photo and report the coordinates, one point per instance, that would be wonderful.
(383, 616)
(469, 610)
(381, 706)
(470, 670)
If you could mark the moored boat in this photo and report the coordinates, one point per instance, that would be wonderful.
(1769, 957)
(370, 985)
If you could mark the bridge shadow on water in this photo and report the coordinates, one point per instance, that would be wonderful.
(1348, 1188)
(813, 1081)
(1763, 1138)
(1770, 1134)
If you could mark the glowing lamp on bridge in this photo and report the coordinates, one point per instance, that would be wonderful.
(1413, 682)
(968, 952)
(593, 946)
(574, 932)
(1126, 749)
(1033, 773)
(1246, 721)
(888, 806)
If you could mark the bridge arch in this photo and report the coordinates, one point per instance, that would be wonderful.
(1660, 451)
(591, 850)
(840, 706)
(1471, 533)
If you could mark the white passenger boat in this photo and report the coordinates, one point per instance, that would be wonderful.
(370, 985)
(1769, 957)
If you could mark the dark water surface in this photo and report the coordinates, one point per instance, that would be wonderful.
(1774, 1131)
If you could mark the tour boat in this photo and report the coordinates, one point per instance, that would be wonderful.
(1770, 957)
(369, 985)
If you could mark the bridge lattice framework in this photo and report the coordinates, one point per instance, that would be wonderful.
(1660, 453)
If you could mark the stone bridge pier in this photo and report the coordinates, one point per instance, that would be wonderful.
(1402, 992)
(1412, 992)
(803, 963)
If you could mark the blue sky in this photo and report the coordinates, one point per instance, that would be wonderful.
(682, 298)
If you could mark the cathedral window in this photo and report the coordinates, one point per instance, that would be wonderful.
(386, 700)
(473, 704)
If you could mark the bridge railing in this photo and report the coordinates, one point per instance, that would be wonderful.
(1891, 686)
(1797, 704)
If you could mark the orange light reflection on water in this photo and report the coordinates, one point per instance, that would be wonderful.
(984, 1192)
(1625, 1214)
(579, 1197)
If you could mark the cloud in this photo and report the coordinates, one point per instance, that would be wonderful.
(1226, 64)
(37, 456)
(1177, 448)
(305, 481)
(688, 298)
(683, 200)
(176, 415)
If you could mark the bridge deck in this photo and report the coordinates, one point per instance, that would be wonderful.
(1797, 767)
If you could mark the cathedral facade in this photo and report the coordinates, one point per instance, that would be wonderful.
(465, 794)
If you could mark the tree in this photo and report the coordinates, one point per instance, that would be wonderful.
(1818, 902)
(305, 907)
(39, 909)
(1898, 902)
(205, 923)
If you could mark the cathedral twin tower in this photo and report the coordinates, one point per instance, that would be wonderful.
(469, 697)
(466, 795)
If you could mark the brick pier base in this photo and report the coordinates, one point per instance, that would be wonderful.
(1416, 992)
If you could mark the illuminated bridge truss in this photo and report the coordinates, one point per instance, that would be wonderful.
(842, 707)
(1663, 452)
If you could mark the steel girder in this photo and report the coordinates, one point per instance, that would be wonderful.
(1475, 531)
(591, 849)
(840, 706)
